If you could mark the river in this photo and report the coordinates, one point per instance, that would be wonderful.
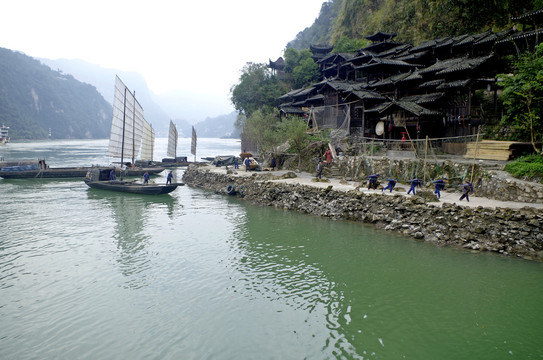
(90, 274)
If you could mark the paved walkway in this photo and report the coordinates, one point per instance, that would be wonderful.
(304, 178)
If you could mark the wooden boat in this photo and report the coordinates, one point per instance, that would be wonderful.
(173, 160)
(130, 134)
(38, 169)
(98, 178)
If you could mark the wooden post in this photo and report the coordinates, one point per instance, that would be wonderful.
(425, 158)
(475, 155)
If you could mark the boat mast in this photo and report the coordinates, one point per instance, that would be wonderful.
(124, 120)
(134, 129)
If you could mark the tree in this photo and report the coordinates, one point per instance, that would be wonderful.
(346, 44)
(522, 95)
(301, 65)
(257, 88)
(294, 129)
(260, 126)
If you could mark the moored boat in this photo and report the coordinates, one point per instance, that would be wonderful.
(98, 178)
(39, 169)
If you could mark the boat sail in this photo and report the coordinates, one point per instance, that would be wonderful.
(126, 125)
(147, 142)
(172, 141)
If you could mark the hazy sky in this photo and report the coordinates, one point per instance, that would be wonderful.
(194, 45)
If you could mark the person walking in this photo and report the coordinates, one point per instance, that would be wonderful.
(372, 181)
(414, 184)
(319, 170)
(391, 184)
(169, 178)
(438, 186)
(247, 163)
(466, 189)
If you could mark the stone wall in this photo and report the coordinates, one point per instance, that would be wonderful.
(515, 232)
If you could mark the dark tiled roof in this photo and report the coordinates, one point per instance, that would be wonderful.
(408, 106)
(424, 98)
(367, 95)
(466, 64)
(432, 83)
(528, 14)
(380, 36)
(454, 84)
(429, 44)
(292, 110)
(440, 65)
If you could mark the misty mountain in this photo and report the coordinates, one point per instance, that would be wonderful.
(187, 108)
(36, 100)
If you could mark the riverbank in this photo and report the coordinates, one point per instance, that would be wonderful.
(483, 224)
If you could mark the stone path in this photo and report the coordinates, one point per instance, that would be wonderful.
(448, 196)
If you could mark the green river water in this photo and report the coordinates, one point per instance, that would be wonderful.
(90, 274)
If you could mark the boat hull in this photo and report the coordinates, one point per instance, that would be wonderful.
(131, 187)
(76, 172)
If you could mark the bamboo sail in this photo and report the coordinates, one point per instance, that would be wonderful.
(193, 143)
(126, 125)
(172, 141)
(147, 142)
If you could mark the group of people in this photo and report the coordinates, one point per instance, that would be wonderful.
(439, 185)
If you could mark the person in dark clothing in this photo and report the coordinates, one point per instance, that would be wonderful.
(236, 164)
(414, 184)
(319, 170)
(169, 178)
(273, 163)
(112, 175)
(391, 184)
(439, 185)
(466, 189)
(146, 178)
(372, 181)
(247, 163)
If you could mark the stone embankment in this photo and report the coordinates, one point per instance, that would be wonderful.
(514, 232)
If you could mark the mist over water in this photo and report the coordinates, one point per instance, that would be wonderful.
(90, 274)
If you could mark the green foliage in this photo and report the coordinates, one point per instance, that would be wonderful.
(35, 99)
(321, 30)
(257, 88)
(419, 20)
(301, 65)
(527, 167)
(260, 126)
(346, 44)
(294, 129)
(522, 95)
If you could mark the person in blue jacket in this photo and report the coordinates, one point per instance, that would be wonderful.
(146, 178)
(466, 189)
(391, 184)
(439, 185)
(112, 174)
(169, 178)
(372, 181)
(414, 184)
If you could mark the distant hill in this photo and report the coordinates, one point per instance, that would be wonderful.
(104, 81)
(158, 109)
(35, 100)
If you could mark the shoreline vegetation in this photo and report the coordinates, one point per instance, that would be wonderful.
(509, 228)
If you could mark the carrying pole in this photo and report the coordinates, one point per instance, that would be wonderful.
(475, 155)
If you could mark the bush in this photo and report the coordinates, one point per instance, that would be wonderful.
(527, 167)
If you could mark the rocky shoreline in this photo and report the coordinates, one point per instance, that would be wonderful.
(513, 232)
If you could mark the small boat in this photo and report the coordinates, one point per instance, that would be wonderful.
(98, 178)
(173, 160)
(130, 135)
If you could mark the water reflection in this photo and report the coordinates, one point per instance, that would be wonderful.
(132, 214)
